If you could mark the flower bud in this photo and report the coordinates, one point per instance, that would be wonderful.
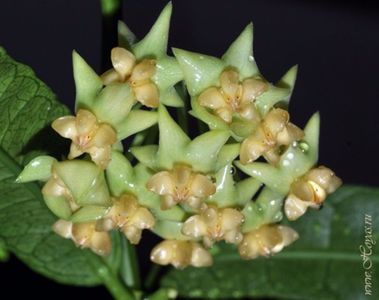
(181, 254)
(310, 190)
(85, 235)
(181, 185)
(266, 240)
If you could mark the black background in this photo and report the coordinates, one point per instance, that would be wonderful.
(335, 44)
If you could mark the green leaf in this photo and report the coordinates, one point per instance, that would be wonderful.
(25, 220)
(325, 263)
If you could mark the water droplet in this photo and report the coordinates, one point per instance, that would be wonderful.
(303, 146)
(278, 216)
(233, 170)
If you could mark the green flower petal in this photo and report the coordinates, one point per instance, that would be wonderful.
(58, 206)
(113, 104)
(89, 213)
(293, 163)
(126, 37)
(246, 189)
(200, 71)
(146, 155)
(88, 84)
(85, 180)
(288, 82)
(265, 210)
(37, 169)
(240, 54)
(170, 230)
(136, 121)
(155, 42)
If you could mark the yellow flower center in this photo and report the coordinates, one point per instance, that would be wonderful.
(181, 185)
(88, 136)
(137, 74)
(233, 97)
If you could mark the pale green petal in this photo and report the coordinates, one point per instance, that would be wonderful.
(202, 152)
(201, 113)
(170, 230)
(126, 37)
(227, 154)
(85, 180)
(266, 209)
(168, 73)
(146, 155)
(288, 81)
(269, 98)
(87, 82)
(155, 42)
(225, 195)
(58, 206)
(246, 189)
(296, 162)
(200, 71)
(136, 121)
(37, 169)
(172, 140)
(267, 174)
(89, 213)
(170, 97)
(240, 54)
(114, 103)
(120, 174)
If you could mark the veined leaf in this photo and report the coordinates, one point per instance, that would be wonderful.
(25, 220)
(325, 263)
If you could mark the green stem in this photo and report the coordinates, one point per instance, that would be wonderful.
(129, 266)
(118, 290)
(111, 10)
(151, 276)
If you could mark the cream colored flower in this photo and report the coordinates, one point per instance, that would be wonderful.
(274, 131)
(310, 191)
(55, 187)
(138, 74)
(233, 96)
(181, 254)
(215, 224)
(88, 136)
(181, 185)
(85, 235)
(266, 240)
(127, 215)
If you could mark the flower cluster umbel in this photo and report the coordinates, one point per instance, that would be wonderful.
(183, 190)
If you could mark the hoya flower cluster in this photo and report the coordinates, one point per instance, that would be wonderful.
(184, 190)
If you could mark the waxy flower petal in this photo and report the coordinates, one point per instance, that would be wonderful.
(181, 185)
(310, 190)
(266, 240)
(85, 235)
(88, 136)
(181, 254)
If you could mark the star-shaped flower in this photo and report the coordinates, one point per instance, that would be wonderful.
(206, 77)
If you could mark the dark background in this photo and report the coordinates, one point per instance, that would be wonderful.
(335, 43)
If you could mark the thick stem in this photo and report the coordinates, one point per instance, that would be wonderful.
(152, 276)
(129, 265)
(116, 288)
(111, 10)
